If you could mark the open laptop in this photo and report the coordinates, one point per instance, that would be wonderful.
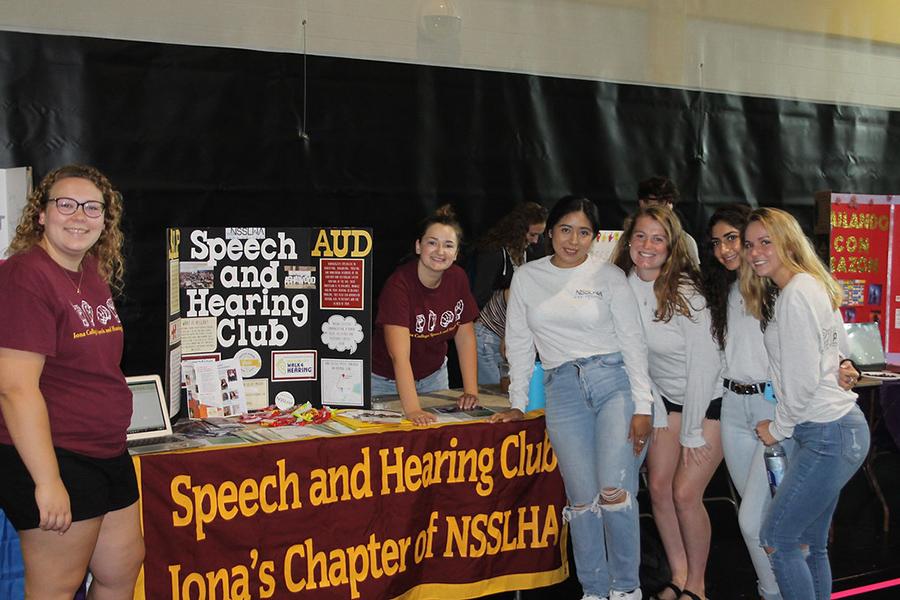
(150, 429)
(867, 351)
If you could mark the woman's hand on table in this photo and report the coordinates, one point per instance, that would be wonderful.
(467, 402)
(513, 414)
(420, 417)
(52, 501)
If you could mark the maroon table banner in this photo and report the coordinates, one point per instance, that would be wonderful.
(456, 511)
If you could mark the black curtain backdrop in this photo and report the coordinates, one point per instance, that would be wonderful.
(199, 136)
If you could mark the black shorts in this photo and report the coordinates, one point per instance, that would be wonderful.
(713, 411)
(96, 486)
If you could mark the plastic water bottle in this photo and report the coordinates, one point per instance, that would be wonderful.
(536, 398)
(776, 461)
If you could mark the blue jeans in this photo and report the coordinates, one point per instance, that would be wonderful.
(744, 458)
(439, 380)
(489, 359)
(588, 414)
(821, 459)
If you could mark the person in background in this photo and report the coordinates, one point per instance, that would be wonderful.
(69, 485)
(685, 370)
(796, 299)
(580, 315)
(425, 303)
(659, 190)
(505, 247)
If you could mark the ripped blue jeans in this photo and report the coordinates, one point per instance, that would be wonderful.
(821, 459)
(588, 414)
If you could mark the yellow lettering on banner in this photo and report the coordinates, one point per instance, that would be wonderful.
(220, 583)
(343, 566)
(401, 473)
(342, 483)
(205, 503)
(519, 458)
(340, 245)
(181, 500)
(473, 536)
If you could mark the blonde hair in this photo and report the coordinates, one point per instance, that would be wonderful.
(108, 248)
(677, 271)
(795, 252)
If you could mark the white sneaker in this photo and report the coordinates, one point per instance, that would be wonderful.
(634, 594)
(593, 597)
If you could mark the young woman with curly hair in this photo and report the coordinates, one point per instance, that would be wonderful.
(69, 483)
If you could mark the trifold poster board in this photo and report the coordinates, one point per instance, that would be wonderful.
(864, 255)
(268, 315)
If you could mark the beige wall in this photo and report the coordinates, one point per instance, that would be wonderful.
(822, 50)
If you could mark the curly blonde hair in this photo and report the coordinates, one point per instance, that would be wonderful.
(678, 273)
(795, 252)
(108, 248)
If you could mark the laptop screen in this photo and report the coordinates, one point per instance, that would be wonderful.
(865, 348)
(149, 417)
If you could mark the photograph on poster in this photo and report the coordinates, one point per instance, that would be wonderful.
(195, 275)
(297, 277)
(873, 295)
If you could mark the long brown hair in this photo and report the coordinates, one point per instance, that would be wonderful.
(677, 271)
(108, 248)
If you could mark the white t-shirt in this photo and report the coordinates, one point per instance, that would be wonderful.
(745, 353)
(685, 363)
(573, 313)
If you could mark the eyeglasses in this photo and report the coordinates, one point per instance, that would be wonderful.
(68, 206)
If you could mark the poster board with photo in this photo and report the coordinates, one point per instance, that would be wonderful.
(268, 315)
(863, 236)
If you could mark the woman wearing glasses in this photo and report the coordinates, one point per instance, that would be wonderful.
(69, 484)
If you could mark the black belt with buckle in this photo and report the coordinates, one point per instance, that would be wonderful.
(744, 389)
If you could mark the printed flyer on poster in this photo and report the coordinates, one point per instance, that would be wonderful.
(283, 305)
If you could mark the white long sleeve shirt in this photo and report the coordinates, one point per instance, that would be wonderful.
(573, 313)
(745, 353)
(804, 342)
(685, 364)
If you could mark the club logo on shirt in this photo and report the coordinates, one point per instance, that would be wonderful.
(427, 324)
(829, 338)
(104, 315)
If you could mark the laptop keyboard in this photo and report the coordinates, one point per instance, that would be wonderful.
(166, 439)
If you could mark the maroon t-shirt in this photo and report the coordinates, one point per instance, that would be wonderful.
(81, 337)
(431, 315)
